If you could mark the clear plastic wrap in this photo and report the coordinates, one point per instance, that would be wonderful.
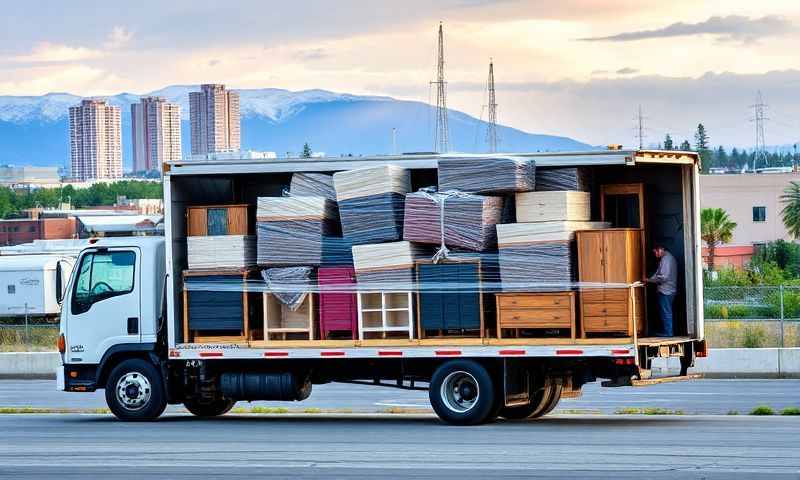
(487, 175)
(289, 285)
(452, 219)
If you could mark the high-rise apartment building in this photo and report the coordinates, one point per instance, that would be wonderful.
(95, 140)
(156, 134)
(214, 115)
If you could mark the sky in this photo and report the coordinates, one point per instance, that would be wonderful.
(579, 68)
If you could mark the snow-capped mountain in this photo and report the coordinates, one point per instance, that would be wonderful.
(33, 129)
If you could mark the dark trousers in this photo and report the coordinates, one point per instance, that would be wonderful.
(665, 310)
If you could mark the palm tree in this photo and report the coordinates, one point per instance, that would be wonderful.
(715, 228)
(791, 208)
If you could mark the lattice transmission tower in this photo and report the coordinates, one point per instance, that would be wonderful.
(760, 153)
(440, 132)
(491, 122)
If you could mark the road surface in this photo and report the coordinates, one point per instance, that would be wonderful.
(713, 397)
(399, 446)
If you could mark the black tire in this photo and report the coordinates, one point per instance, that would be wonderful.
(554, 399)
(462, 393)
(135, 391)
(538, 403)
(216, 408)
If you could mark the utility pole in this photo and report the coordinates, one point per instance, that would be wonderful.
(640, 129)
(440, 132)
(760, 153)
(491, 129)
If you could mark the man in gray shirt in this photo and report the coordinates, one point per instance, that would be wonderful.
(666, 277)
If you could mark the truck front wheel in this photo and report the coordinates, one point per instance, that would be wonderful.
(462, 393)
(218, 407)
(135, 391)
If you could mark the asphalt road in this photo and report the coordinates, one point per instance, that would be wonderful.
(714, 397)
(399, 446)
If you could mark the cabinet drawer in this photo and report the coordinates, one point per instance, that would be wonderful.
(618, 309)
(534, 301)
(605, 324)
(600, 295)
(536, 318)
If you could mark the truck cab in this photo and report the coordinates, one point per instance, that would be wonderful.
(111, 309)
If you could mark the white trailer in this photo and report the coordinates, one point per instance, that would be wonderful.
(122, 327)
(33, 285)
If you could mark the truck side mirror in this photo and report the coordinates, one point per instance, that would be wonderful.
(59, 283)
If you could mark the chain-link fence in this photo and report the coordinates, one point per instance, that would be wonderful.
(752, 317)
(27, 335)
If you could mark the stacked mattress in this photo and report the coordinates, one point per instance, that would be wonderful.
(563, 178)
(553, 206)
(486, 175)
(539, 256)
(299, 231)
(371, 203)
(220, 251)
(390, 265)
(312, 185)
(469, 220)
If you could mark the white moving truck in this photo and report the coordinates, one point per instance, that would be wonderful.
(123, 328)
(33, 285)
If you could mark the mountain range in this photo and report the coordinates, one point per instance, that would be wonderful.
(34, 129)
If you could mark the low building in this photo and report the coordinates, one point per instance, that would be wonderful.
(120, 225)
(26, 230)
(753, 201)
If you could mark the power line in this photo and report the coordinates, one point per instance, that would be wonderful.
(491, 129)
(440, 132)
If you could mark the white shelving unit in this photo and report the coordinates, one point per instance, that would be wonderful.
(384, 312)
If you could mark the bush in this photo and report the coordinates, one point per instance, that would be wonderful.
(762, 410)
(754, 336)
(790, 411)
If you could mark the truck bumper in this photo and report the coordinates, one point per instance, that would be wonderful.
(77, 378)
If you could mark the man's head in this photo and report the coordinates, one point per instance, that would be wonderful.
(659, 250)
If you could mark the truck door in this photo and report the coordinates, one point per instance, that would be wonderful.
(104, 306)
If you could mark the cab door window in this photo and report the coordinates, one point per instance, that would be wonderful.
(103, 275)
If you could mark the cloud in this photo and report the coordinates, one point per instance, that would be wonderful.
(46, 52)
(119, 38)
(311, 54)
(214, 62)
(731, 27)
(627, 71)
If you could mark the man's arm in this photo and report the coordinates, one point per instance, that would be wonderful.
(661, 275)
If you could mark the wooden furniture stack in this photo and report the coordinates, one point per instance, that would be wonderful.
(338, 307)
(539, 311)
(611, 256)
(223, 315)
(220, 236)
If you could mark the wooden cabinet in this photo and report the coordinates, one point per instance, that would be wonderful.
(457, 309)
(281, 322)
(383, 313)
(210, 220)
(338, 309)
(516, 311)
(214, 316)
(611, 256)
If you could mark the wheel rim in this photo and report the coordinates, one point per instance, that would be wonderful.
(460, 392)
(133, 391)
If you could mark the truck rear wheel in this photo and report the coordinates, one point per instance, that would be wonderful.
(216, 408)
(542, 402)
(135, 391)
(462, 393)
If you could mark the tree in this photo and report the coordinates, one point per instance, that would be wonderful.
(721, 157)
(791, 208)
(715, 228)
(701, 146)
(686, 146)
(668, 145)
(306, 151)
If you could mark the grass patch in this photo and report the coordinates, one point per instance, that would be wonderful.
(790, 411)
(405, 410)
(648, 411)
(24, 410)
(762, 410)
(40, 338)
(259, 409)
(312, 410)
(733, 412)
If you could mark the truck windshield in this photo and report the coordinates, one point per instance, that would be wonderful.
(103, 275)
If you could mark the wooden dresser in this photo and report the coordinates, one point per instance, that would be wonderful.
(517, 311)
(611, 256)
